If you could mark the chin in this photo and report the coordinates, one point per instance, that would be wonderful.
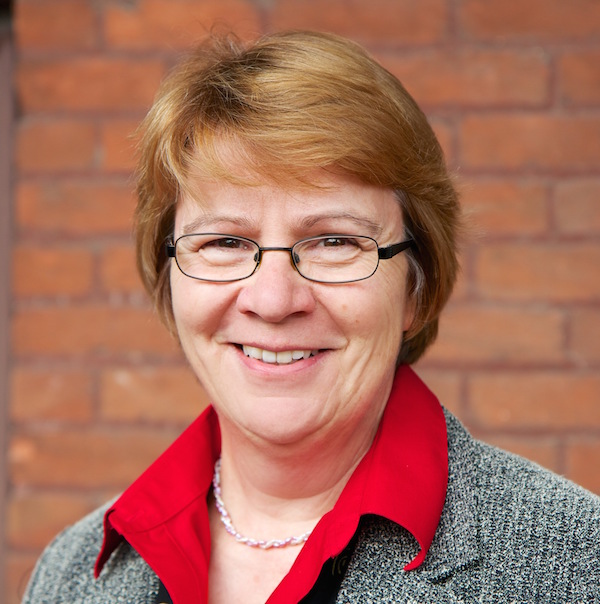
(282, 428)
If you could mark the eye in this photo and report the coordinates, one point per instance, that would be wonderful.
(208, 251)
(209, 245)
(333, 248)
(339, 242)
(230, 243)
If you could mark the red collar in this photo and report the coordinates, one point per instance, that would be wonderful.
(403, 477)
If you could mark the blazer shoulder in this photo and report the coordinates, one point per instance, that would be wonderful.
(503, 477)
(65, 571)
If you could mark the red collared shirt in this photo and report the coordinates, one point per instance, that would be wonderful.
(403, 477)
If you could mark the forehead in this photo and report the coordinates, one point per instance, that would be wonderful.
(326, 198)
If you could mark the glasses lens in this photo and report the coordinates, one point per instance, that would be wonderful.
(216, 257)
(336, 258)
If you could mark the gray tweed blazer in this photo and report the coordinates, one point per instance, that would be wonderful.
(510, 533)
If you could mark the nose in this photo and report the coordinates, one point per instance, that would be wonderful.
(276, 290)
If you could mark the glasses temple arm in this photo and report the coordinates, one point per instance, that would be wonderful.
(385, 253)
(170, 249)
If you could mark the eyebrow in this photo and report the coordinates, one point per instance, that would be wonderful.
(373, 229)
(203, 220)
(200, 222)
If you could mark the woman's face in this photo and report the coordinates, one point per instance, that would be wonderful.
(354, 330)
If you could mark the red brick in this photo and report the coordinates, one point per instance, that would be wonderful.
(75, 208)
(577, 206)
(462, 287)
(89, 84)
(482, 335)
(552, 20)
(95, 330)
(544, 451)
(51, 271)
(19, 567)
(446, 385)
(118, 145)
(535, 400)
(530, 142)
(35, 518)
(585, 335)
(505, 207)
(176, 24)
(543, 272)
(398, 22)
(41, 395)
(54, 146)
(446, 137)
(473, 78)
(56, 25)
(583, 461)
(107, 458)
(155, 394)
(579, 77)
(118, 270)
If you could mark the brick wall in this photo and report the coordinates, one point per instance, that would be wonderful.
(98, 389)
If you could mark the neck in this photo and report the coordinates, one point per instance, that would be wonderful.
(273, 491)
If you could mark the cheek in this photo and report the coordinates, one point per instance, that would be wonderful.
(201, 309)
(372, 316)
(386, 315)
(191, 309)
(179, 299)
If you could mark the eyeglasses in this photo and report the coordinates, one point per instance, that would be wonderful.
(222, 258)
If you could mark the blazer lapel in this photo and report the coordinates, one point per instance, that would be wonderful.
(376, 574)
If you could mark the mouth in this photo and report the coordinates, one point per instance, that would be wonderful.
(284, 357)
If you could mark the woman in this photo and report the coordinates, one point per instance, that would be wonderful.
(296, 228)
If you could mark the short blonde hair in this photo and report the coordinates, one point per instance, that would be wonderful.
(290, 103)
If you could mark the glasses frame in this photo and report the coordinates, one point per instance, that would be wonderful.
(383, 253)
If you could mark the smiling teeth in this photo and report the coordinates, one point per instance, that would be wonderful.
(281, 358)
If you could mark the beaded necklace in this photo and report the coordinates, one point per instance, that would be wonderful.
(226, 520)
